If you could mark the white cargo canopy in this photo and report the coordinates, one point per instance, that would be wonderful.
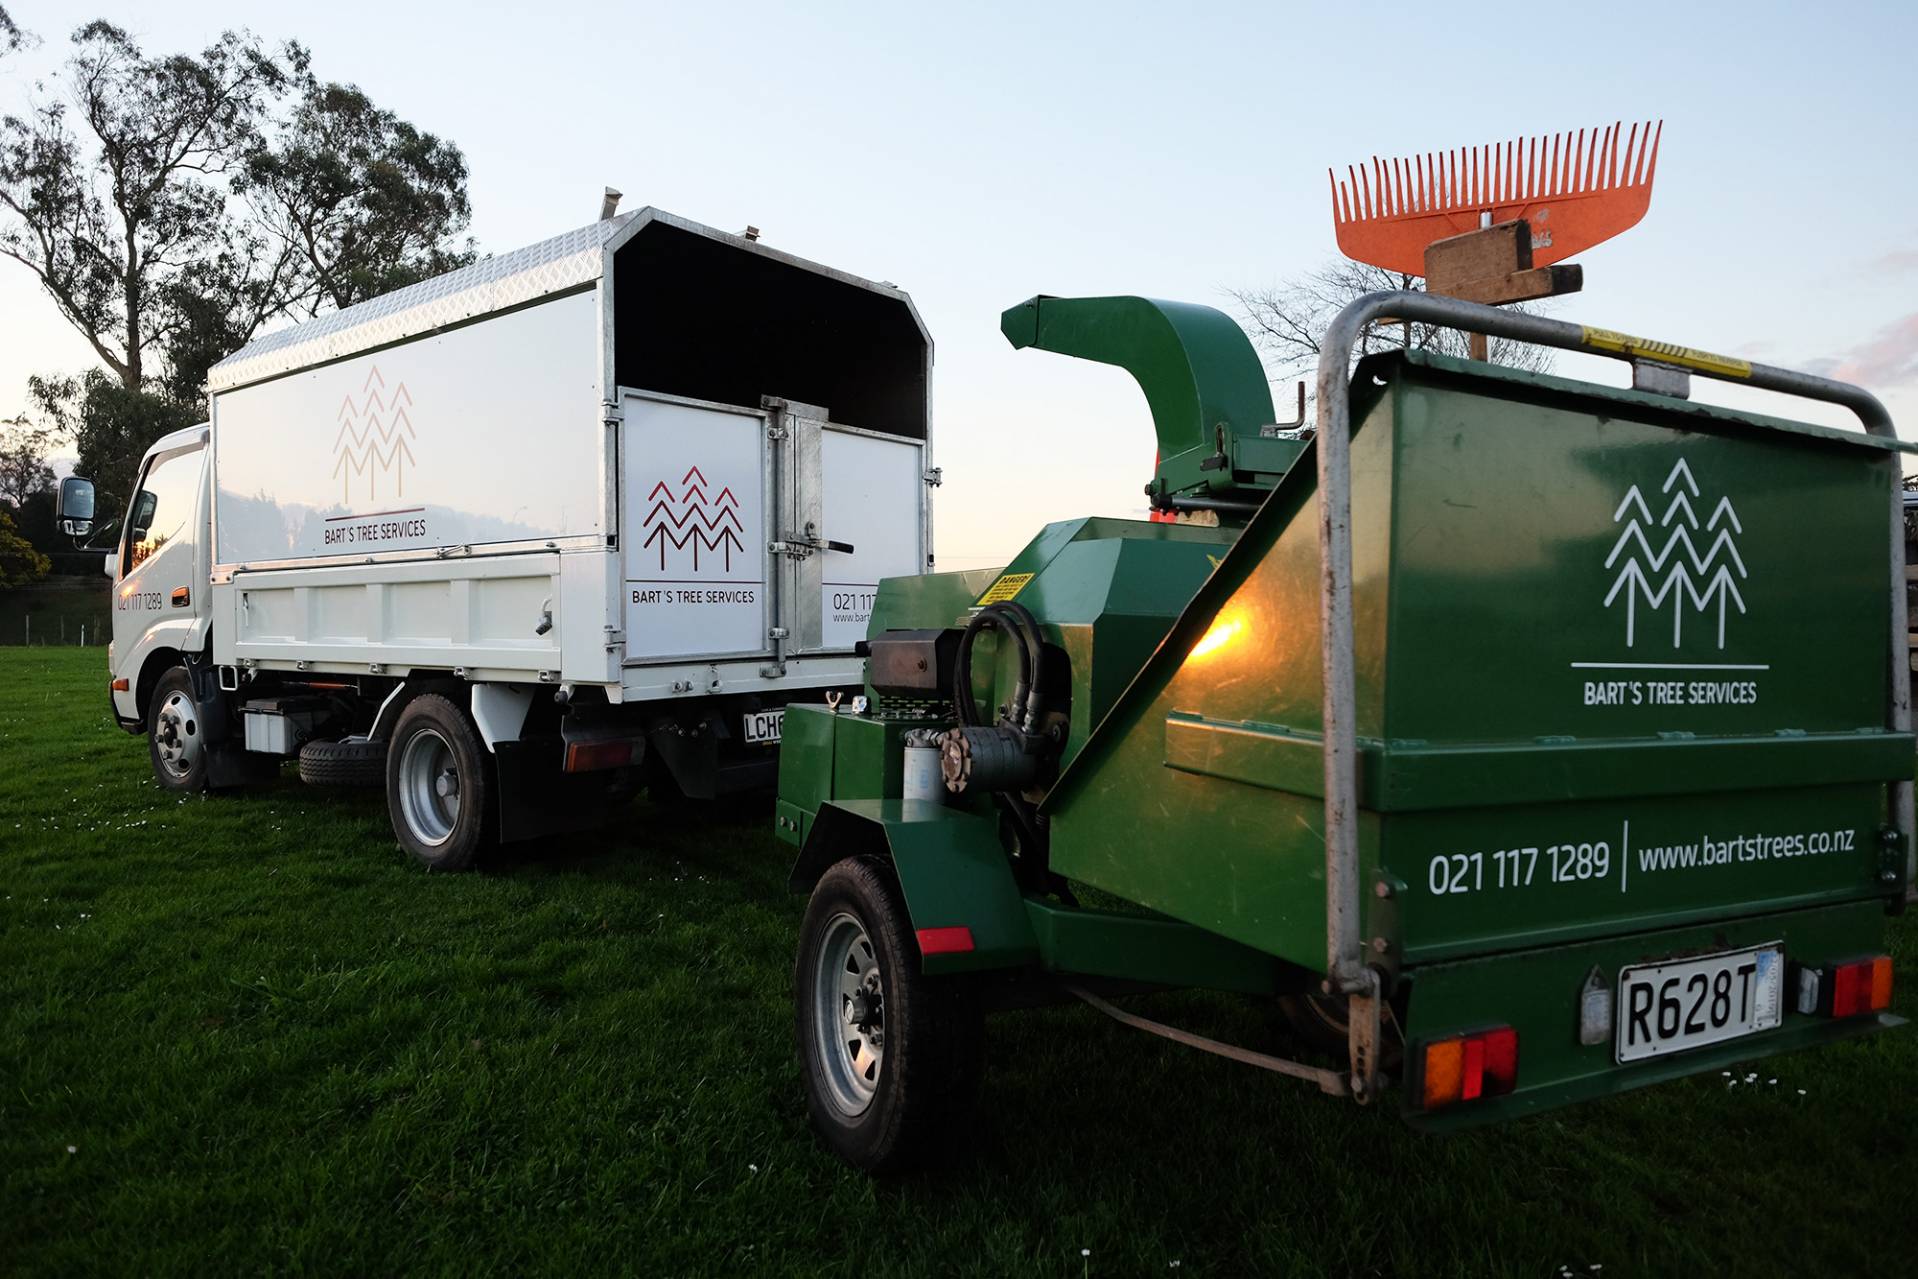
(739, 435)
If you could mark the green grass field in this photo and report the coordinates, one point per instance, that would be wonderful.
(243, 1034)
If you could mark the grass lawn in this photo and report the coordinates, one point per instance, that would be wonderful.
(245, 1034)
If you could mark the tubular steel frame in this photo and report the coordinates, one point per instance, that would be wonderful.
(1346, 968)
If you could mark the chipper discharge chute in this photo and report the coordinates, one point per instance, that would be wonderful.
(1533, 740)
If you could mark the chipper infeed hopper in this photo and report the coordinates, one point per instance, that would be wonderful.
(1532, 739)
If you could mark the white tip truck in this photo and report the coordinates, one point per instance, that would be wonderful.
(521, 539)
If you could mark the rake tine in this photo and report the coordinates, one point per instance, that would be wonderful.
(1634, 160)
(1358, 210)
(1618, 132)
(1366, 183)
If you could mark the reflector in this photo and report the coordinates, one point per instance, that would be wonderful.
(955, 940)
(1880, 984)
(1444, 1072)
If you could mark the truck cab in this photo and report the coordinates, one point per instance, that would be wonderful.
(158, 567)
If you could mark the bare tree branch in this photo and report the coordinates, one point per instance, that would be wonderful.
(1289, 320)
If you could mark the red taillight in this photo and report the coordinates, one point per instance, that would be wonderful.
(1862, 986)
(945, 941)
(1467, 1067)
(587, 757)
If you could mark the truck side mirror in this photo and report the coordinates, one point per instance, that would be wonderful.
(73, 507)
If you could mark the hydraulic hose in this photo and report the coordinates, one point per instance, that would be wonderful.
(993, 617)
(1035, 700)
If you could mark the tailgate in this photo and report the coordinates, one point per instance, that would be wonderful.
(1636, 666)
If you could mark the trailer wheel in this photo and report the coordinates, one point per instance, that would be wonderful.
(438, 791)
(176, 733)
(891, 1058)
(352, 761)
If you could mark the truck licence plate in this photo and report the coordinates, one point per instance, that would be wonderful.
(764, 726)
(1688, 1003)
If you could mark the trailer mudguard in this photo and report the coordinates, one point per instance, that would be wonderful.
(951, 868)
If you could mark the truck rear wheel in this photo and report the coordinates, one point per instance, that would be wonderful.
(891, 1058)
(438, 790)
(176, 733)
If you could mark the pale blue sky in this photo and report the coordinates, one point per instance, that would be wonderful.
(978, 154)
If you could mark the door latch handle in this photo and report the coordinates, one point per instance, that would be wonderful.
(181, 597)
(801, 547)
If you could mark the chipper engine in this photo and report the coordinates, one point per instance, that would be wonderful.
(1531, 740)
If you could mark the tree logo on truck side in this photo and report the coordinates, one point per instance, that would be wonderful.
(1676, 573)
(372, 444)
(691, 522)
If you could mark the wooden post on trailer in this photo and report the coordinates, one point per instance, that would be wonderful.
(1493, 265)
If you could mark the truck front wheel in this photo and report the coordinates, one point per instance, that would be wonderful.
(891, 1058)
(438, 792)
(176, 733)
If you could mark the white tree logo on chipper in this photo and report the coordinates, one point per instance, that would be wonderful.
(1676, 573)
(690, 521)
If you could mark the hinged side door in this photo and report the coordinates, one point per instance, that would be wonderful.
(697, 480)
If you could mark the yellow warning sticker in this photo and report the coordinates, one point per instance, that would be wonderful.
(1008, 585)
(1684, 357)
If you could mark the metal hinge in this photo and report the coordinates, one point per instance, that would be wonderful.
(777, 632)
(611, 413)
(775, 429)
(935, 476)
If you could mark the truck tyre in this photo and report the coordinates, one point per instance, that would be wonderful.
(355, 761)
(891, 1058)
(438, 787)
(176, 733)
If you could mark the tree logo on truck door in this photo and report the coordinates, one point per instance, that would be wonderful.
(692, 522)
(372, 444)
(1658, 563)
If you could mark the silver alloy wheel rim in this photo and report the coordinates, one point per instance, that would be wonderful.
(429, 787)
(849, 1015)
(176, 734)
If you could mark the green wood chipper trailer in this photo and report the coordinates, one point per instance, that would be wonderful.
(1529, 740)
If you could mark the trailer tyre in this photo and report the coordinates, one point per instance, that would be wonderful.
(356, 761)
(892, 1058)
(438, 785)
(176, 733)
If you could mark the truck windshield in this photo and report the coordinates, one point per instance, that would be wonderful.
(162, 506)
